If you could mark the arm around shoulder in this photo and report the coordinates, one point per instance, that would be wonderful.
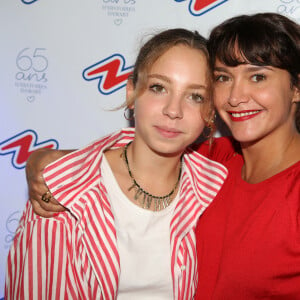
(37, 187)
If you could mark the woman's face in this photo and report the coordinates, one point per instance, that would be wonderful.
(168, 112)
(255, 102)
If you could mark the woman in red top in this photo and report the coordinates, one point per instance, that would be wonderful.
(248, 240)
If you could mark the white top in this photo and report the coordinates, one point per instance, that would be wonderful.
(143, 240)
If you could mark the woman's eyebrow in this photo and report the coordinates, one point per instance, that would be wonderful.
(250, 68)
(159, 76)
(168, 80)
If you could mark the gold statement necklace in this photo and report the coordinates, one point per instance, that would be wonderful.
(160, 202)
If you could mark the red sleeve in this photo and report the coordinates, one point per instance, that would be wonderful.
(221, 150)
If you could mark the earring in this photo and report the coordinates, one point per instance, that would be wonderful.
(129, 114)
(210, 123)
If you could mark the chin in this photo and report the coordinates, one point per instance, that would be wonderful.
(247, 139)
(168, 151)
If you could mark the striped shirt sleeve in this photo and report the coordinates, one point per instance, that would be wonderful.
(38, 262)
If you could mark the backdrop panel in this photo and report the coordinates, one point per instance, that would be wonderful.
(54, 88)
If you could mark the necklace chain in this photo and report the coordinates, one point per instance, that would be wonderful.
(160, 202)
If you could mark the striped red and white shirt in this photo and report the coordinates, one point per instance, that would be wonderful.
(75, 255)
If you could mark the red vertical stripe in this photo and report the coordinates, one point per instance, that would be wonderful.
(52, 260)
(39, 259)
(60, 261)
(46, 272)
(30, 262)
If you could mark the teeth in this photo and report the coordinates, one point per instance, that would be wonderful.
(239, 115)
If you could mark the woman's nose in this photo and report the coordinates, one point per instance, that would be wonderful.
(173, 107)
(238, 94)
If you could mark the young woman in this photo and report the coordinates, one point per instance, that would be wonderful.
(124, 235)
(248, 241)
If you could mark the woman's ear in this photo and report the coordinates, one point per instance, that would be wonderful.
(296, 97)
(130, 94)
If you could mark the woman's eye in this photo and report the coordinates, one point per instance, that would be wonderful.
(197, 98)
(221, 78)
(157, 88)
(258, 77)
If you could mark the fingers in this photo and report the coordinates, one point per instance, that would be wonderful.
(51, 206)
(41, 211)
(42, 201)
(44, 208)
(46, 197)
(49, 203)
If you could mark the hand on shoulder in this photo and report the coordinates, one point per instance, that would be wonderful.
(37, 187)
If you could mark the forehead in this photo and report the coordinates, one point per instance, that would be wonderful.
(178, 50)
(181, 58)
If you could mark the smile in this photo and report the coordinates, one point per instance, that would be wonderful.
(243, 115)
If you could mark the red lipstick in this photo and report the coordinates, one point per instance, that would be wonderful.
(243, 115)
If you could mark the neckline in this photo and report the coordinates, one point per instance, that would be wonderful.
(108, 171)
(277, 176)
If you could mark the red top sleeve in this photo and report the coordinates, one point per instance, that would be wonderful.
(221, 149)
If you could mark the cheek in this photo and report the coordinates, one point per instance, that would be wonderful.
(197, 130)
(195, 123)
(144, 107)
(200, 128)
(218, 102)
(273, 100)
(219, 94)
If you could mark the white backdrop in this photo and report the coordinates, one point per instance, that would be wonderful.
(63, 65)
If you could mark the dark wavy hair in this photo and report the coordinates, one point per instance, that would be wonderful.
(260, 39)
